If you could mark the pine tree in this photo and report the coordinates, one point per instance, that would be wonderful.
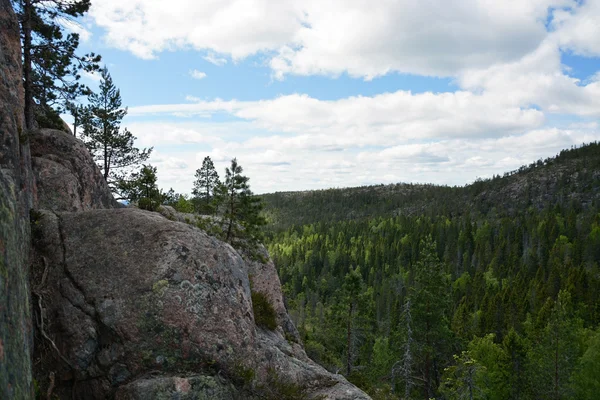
(110, 146)
(205, 185)
(50, 65)
(241, 208)
(430, 309)
(142, 188)
(554, 356)
(352, 288)
(405, 367)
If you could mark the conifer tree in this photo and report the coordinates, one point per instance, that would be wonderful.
(241, 209)
(141, 188)
(112, 148)
(205, 185)
(553, 356)
(430, 308)
(352, 288)
(50, 65)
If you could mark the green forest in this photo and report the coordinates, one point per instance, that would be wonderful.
(488, 291)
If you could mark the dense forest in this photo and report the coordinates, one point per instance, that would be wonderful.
(488, 291)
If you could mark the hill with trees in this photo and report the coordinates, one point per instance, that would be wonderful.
(571, 176)
(491, 290)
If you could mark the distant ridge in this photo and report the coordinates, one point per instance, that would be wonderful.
(571, 176)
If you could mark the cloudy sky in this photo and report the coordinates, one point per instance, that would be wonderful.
(316, 94)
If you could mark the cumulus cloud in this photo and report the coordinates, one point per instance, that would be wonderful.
(273, 164)
(236, 28)
(505, 58)
(437, 37)
(378, 120)
(578, 29)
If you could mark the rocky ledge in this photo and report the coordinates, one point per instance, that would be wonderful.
(132, 305)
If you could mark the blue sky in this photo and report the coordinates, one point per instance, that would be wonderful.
(319, 94)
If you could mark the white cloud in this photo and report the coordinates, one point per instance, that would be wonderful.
(274, 165)
(384, 119)
(505, 62)
(236, 28)
(437, 37)
(194, 73)
(76, 27)
(536, 79)
(579, 29)
(214, 59)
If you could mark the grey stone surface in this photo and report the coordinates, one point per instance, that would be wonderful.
(15, 201)
(131, 292)
(67, 178)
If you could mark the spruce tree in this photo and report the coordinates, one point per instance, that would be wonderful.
(112, 148)
(50, 66)
(205, 185)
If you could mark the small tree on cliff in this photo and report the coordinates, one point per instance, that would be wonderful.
(205, 185)
(111, 147)
(241, 209)
(142, 188)
(50, 65)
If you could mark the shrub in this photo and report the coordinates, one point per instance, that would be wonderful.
(264, 313)
(146, 203)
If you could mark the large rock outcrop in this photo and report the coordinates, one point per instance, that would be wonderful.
(67, 179)
(140, 306)
(15, 201)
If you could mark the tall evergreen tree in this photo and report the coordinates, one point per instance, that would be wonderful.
(205, 185)
(112, 148)
(430, 309)
(241, 207)
(50, 65)
(553, 357)
(352, 288)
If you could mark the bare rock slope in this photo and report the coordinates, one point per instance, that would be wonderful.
(66, 178)
(144, 307)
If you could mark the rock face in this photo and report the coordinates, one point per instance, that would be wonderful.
(15, 201)
(140, 307)
(67, 178)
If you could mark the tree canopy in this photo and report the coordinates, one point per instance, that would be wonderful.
(112, 147)
(51, 67)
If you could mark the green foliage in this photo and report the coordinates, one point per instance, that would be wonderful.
(205, 187)
(482, 275)
(148, 204)
(241, 209)
(112, 148)
(555, 349)
(463, 379)
(264, 313)
(141, 188)
(50, 65)
(586, 377)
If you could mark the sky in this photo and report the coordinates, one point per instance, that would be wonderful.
(316, 94)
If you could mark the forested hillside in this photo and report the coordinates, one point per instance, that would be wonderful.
(573, 175)
(489, 291)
